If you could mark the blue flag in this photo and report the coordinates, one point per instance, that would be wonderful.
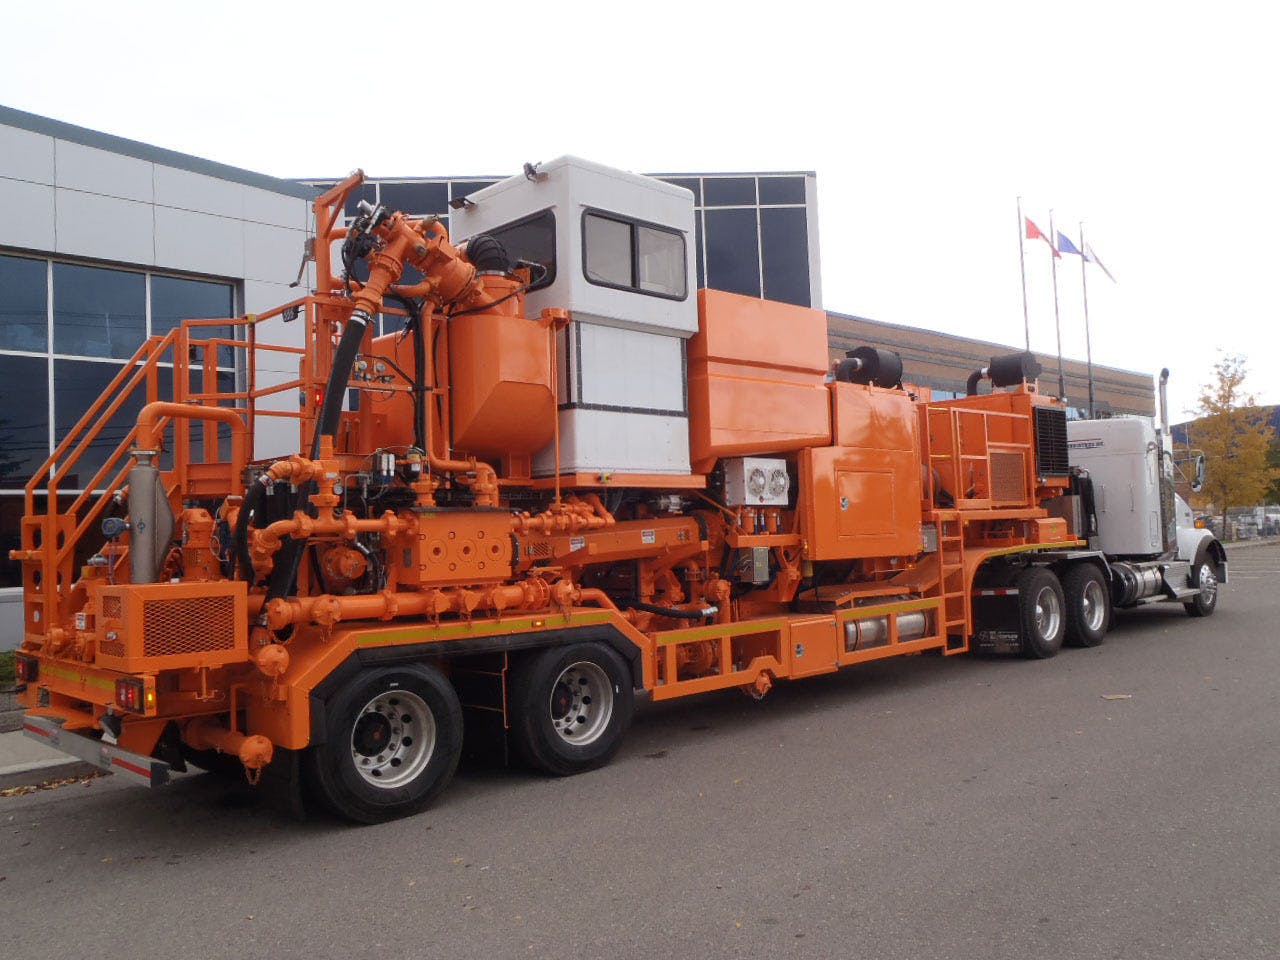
(1065, 245)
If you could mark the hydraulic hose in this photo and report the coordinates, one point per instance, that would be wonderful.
(414, 309)
(284, 574)
(675, 612)
(252, 504)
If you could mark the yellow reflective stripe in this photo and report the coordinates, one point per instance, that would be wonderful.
(73, 676)
(427, 633)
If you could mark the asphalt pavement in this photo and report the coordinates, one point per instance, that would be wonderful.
(1119, 802)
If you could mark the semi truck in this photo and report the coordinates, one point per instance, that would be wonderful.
(499, 480)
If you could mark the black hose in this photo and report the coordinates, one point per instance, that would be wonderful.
(675, 612)
(251, 505)
(343, 360)
(288, 559)
(971, 385)
(414, 309)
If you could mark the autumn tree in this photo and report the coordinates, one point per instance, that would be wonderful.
(1235, 436)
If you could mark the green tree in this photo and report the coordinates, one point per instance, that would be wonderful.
(1235, 437)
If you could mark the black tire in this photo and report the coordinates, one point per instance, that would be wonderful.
(570, 707)
(1088, 599)
(1041, 613)
(374, 764)
(1204, 574)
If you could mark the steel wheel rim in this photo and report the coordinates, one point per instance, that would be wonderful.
(1048, 613)
(1093, 605)
(393, 739)
(581, 703)
(1208, 581)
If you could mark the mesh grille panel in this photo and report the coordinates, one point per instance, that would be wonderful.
(1051, 442)
(1006, 476)
(193, 625)
(111, 648)
(111, 608)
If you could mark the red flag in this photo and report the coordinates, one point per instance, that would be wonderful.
(1034, 233)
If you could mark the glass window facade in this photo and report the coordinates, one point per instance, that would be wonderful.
(24, 304)
(98, 312)
(100, 316)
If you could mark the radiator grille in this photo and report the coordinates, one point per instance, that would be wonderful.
(111, 648)
(1051, 442)
(1007, 481)
(191, 625)
(111, 608)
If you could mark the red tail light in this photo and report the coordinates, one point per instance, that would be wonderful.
(130, 692)
(26, 668)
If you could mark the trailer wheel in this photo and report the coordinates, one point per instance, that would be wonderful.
(1204, 576)
(393, 737)
(1040, 613)
(570, 707)
(1088, 605)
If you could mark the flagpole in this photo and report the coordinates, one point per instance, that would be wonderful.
(1053, 262)
(1088, 340)
(1022, 264)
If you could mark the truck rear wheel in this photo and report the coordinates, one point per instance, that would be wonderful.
(1204, 576)
(393, 737)
(1088, 605)
(570, 707)
(1040, 613)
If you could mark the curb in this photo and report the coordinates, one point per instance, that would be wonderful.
(1251, 544)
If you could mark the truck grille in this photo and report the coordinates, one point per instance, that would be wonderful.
(189, 625)
(1051, 442)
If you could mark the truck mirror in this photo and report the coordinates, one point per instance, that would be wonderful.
(1197, 481)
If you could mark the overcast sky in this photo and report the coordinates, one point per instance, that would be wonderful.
(1154, 123)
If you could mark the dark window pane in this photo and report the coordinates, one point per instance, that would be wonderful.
(174, 300)
(415, 198)
(24, 418)
(782, 189)
(784, 241)
(702, 267)
(464, 188)
(729, 191)
(733, 262)
(77, 384)
(689, 183)
(24, 321)
(365, 191)
(532, 239)
(98, 312)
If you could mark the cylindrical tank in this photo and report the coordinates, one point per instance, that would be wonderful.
(874, 631)
(1131, 582)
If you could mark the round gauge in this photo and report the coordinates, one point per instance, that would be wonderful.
(756, 482)
(778, 483)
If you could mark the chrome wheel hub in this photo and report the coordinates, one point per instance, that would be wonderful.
(1093, 606)
(581, 703)
(1048, 613)
(393, 739)
(1208, 582)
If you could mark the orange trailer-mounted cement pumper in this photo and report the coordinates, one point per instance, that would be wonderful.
(442, 553)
